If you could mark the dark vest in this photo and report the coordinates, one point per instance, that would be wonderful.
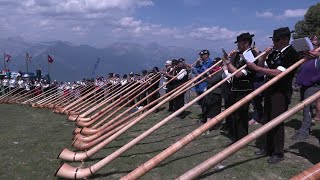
(244, 83)
(285, 59)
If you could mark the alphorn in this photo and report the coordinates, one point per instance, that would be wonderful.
(214, 160)
(196, 133)
(66, 170)
(89, 101)
(90, 131)
(312, 173)
(86, 102)
(82, 116)
(129, 109)
(13, 96)
(83, 92)
(60, 99)
(23, 95)
(39, 96)
(86, 142)
(124, 97)
(112, 95)
(8, 93)
(62, 109)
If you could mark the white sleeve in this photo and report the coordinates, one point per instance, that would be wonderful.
(181, 74)
(281, 68)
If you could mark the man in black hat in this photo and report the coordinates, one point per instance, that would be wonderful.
(241, 85)
(277, 97)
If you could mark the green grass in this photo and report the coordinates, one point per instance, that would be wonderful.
(32, 138)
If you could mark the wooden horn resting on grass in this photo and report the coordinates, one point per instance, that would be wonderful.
(13, 96)
(61, 110)
(65, 103)
(103, 129)
(88, 90)
(68, 171)
(93, 101)
(104, 110)
(97, 131)
(86, 103)
(196, 133)
(206, 165)
(142, 88)
(47, 93)
(85, 143)
(111, 96)
(121, 97)
(20, 96)
(8, 94)
(312, 173)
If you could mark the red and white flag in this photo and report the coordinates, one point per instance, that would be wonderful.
(7, 57)
(50, 59)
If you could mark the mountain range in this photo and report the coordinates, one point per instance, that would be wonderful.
(73, 62)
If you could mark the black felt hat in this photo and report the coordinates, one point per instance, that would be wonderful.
(244, 36)
(284, 31)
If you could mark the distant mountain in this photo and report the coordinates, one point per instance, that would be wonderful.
(73, 62)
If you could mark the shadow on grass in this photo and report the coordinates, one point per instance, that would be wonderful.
(294, 123)
(126, 156)
(228, 167)
(187, 156)
(307, 151)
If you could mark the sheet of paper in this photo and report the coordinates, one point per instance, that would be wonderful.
(248, 56)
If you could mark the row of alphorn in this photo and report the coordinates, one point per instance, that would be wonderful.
(102, 114)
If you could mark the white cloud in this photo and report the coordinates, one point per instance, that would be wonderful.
(264, 14)
(294, 13)
(128, 26)
(288, 13)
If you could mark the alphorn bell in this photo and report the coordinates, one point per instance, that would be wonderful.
(206, 165)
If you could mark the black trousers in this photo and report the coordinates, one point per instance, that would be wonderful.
(178, 102)
(240, 117)
(275, 104)
(171, 102)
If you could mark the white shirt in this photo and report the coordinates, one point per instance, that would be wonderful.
(182, 73)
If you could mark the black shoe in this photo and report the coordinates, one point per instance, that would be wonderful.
(275, 159)
(299, 136)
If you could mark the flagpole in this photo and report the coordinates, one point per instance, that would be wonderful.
(48, 65)
(27, 59)
(4, 60)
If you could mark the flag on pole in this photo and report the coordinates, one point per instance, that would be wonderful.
(50, 59)
(28, 57)
(7, 57)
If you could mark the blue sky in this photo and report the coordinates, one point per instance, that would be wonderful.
(190, 23)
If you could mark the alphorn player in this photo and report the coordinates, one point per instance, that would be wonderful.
(278, 96)
(203, 63)
(242, 84)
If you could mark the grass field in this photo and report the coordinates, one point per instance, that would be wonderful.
(32, 138)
